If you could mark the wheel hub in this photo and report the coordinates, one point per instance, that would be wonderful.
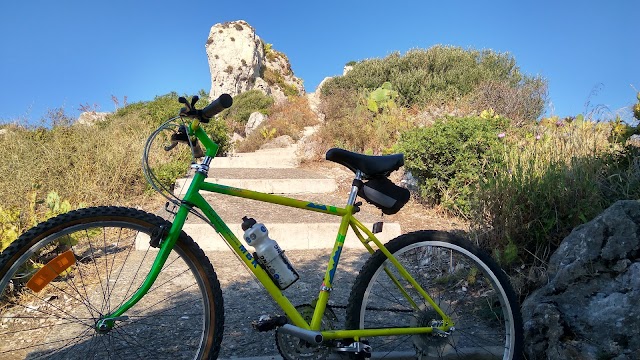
(436, 342)
(105, 324)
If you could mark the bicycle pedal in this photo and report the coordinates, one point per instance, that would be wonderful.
(268, 322)
(358, 348)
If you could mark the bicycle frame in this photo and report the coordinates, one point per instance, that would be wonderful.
(193, 198)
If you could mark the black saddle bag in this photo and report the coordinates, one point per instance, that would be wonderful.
(384, 194)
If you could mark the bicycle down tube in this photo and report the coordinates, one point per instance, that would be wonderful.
(193, 198)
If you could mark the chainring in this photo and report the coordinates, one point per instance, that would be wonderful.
(293, 348)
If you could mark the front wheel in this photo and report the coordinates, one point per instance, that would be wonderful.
(464, 282)
(60, 278)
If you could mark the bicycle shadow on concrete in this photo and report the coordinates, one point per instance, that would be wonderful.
(168, 331)
(245, 300)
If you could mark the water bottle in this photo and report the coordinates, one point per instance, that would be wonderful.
(269, 254)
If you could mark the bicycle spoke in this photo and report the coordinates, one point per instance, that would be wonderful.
(141, 318)
(126, 294)
(77, 320)
(136, 344)
(43, 344)
(166, 298)
(122, 267)
(30, 329)
(95, 263)
(67, 347)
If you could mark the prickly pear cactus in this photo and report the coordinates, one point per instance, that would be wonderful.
(382, 98)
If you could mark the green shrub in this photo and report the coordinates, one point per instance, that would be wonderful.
(449, 157)
(273, 77)
(438, 75)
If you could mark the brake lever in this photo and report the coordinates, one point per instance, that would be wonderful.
(169, 147)
(188, 109)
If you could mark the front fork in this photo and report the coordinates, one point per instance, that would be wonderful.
(166, 246)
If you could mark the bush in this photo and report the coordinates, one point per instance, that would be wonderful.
(449, 157)
(436, 76)
(550, 179)
(243, 105)
(521, 104)
(273, 77)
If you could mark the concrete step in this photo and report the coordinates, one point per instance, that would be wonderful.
(232, 209)
(271, 181)
(282, 158)
(293, 228)
(290, 236)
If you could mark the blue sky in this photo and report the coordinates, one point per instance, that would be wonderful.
(66, 53)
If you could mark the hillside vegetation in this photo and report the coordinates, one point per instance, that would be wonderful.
(48, 169)
(471, 128)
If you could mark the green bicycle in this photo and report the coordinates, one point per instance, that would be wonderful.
(113, 282)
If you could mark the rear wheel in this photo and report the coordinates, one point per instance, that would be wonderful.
(464, 282)
(181, 317)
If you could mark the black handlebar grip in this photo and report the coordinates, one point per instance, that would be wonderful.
(219, 104)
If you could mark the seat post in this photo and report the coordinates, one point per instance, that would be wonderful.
(357, 182)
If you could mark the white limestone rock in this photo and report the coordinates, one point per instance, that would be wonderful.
(240, 61)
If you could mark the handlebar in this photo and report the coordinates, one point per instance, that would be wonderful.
(204, 115)
(219, 104)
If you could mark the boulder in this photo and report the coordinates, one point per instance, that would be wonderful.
(240, 61)
(589, 308)
(634, 140)
(255, 119)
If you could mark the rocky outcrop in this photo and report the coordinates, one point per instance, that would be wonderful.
(590, 307)
(91, 117)
(240, 61)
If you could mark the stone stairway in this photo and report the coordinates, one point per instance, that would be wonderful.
(276, 171)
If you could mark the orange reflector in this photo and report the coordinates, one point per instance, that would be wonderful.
(51, 270)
